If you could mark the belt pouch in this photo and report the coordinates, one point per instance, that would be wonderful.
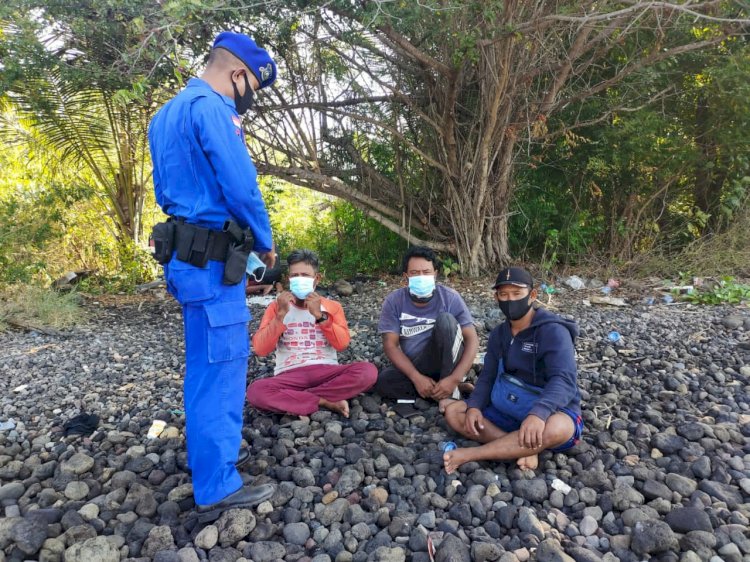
(200, 248)
(162, 241)
(185, 233)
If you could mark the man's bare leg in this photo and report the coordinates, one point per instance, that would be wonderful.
(341, 406)
(498, 445)
(444, 403)
(455, 415)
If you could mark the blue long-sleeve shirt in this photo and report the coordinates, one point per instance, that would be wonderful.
(202, 170)
(542, 355)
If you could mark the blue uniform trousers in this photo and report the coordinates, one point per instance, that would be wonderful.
(216, 350)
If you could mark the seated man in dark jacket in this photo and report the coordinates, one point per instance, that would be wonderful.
(526, 399)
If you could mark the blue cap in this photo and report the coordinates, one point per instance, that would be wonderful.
(256, 59)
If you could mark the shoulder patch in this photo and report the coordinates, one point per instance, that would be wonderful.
(237, 121)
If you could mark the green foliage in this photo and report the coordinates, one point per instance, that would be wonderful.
(643, 182)
(349, 243)
(32, 306)
(450, 267)
(133, 266)
(601, 175)
(726, 291)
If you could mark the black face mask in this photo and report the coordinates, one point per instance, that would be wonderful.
(421, 300)
(245, 102)
(514, 310)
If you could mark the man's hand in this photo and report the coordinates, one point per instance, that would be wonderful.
(531, 432)
(474, 421)
(424, 386)
(312, 303)
(444, 388)
(283, 302)
(269, 258)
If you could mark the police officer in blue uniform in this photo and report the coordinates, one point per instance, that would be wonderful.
(206, 182)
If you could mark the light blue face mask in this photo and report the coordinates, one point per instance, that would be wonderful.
(422, 286)
(301, 286)
(255, 268)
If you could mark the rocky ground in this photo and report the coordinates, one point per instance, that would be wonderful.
(662, 472)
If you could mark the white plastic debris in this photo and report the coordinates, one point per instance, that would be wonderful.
(21, 388)
(575, 283)
(262, 300)
(612, 301)
(558, 484)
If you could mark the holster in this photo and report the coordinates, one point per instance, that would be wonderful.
(237, 253)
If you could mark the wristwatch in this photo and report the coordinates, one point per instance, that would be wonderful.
(323, 318)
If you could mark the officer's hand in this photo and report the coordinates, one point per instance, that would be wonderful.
(444, 388)
(474, 421)
(531, 432)
(312, 303)
(424, 386)
(269, 258)
(283, 302)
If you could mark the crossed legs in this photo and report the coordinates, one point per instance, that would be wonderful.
(501, 445)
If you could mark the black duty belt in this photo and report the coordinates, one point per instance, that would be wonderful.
(196, 239)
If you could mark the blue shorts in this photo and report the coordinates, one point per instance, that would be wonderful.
(509, 424)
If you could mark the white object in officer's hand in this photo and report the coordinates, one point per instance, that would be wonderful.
(255, 267)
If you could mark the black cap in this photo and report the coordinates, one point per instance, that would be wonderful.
(517, 276)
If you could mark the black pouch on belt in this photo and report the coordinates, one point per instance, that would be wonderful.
(200, 250)
(162, 241)
(184, 240)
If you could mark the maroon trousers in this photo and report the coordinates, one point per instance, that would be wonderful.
(298, 391)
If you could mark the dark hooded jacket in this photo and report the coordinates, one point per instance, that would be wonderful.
(542, 355)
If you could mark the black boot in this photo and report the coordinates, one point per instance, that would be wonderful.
(244, 498)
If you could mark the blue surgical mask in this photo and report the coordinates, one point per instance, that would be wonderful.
(422, 286)
(255, 267)
(301, 286)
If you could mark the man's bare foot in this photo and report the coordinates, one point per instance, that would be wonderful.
(443, 404)
(528, 463)
(455, 458)
(342, 406)
(465, 388)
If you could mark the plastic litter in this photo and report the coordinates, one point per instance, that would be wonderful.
(684, 289)
(558, 484)
(156, 429)
(606, 289)
(575, 282)
(667, 299)
(649, 301)
(82, 424)
(262, 300)
(614, 337)
(612, 301)
(6, 425)
(446, 446)
(613, 283)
